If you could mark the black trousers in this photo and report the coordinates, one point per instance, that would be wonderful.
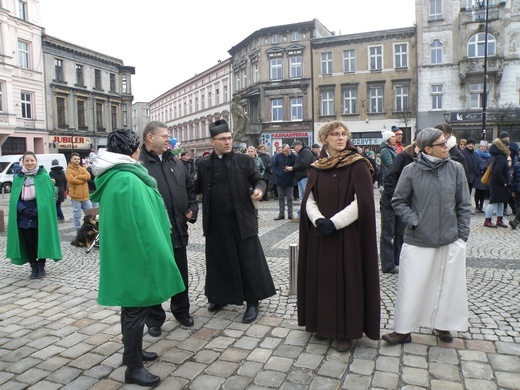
(30, 237)
(132, 328)
(179, 303)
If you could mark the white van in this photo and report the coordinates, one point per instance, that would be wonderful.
(7, 164)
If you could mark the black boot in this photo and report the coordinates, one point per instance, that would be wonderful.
(34, 270)
(133, 323)
(41, 268)
(147, 356)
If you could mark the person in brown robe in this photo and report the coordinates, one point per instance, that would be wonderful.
(338, 274)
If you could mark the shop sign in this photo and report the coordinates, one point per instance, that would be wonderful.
(367, 141)
(491, 116)
(66, 142)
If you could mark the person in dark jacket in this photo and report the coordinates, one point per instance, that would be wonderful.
(236, 267)
(188, 164)
(455, 153)
(267, 164)
(499, 184)
(177, 189)
(387, 152)
(482, 190)
(392, 228)
(515, 194)
(60, 181)
(304, 159)
(474, 163)
(284, 181)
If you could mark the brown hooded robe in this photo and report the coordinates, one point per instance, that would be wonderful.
(338, 274)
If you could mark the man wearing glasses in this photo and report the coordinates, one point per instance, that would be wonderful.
(236, 268)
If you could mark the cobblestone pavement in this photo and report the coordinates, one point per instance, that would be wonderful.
(53, 334)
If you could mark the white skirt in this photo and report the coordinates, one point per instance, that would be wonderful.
(431, 291)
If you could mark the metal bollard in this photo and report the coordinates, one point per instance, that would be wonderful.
(293, 268)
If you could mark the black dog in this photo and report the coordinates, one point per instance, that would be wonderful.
(87, 233)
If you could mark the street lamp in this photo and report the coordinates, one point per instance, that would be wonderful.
(482, 4)
(446, 117)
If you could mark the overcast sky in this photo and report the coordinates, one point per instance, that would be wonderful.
(169, 41)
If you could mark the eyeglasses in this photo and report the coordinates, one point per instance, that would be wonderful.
(441, 144)
(223, 139)
(337, 135)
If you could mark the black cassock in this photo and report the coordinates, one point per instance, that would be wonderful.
(236, 268)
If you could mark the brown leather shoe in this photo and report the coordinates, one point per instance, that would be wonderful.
(501, 223)
(395, 338)
(342, 345)
(444, 335)
(488, 223)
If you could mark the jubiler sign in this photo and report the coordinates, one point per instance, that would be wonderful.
(66, 142)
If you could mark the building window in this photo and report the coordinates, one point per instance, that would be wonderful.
(326, 63)
(97, 79)
(14, 145)
(113, 116)
(81, 114)
(277, 110)
(276, 69)
(350, 100)
(436, 52)
(99, 115)
(376, 99)
(477, 45)
(295, 36)
(203, 102)
(22, 9)
(112, 82)
(60, 106)
(58, 69)
(349, 61)
(327, 102)
(275, 38)
(125, 115)
(244, 78)
(225, 93)
(401, 55)
(26, 105)
(124, 84)
(296, 109)
(437, 97)
(23, 54)
(476, 91)
(79, 74)
(196, 104)
(376, 57)
(296, 67)
(435, 9)
(210, 99)
(402, 98)
(237, 81)
(217, 96)
(256, 73)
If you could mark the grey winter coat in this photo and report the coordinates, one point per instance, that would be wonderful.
(433, 199)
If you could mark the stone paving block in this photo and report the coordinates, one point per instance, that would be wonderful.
(190, 370)
(415, 361)
(280, 332)
(443, 355)
(272, 322)
(94, 328)
(356, 382)
(270, 343)
(77, 350)
(387, 364)
(247, 342)
(217, 323)
(365, 352)
(237, 383)
(20, 353)
(236, 334)
(161, 369)
(206, 333)
(99, 372)
(81, 383)
(415, 376)
(508, 348)
(306, 360)
(106, 384)
(249, 369)
(318, 349)
(23, 365)
(221, 369)
(276, 363)
(477, 370)
(443, 385)
(260, 355)
(508, 380)
(297, 337)
(476, 356)
(508, 363)
(385, 380)
(258, 331)
(71, 340)
(480, 345)
(206, 356)
(64, 375)
(204, 382)
(234, 354)
(114, 360)
(445, 372)
(53, 363)
(319, 383)
(16, 343)
(426, 339)
(87, 361)
(362, 367)
(479, 384)
(176, 356)
(44, 385)
(108, 348)
(219, 343)
(101, 338)
(5, 376)
(172, 383)
(269, 379)
(333, 369)
(32, 376)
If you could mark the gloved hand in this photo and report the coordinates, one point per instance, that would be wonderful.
(33, 214)
(324, 226)
(26, 212)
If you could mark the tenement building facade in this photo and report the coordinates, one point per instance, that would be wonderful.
(451, 40)
(88, 94)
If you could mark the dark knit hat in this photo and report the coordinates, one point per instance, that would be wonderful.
(316, 146)
(218, 127)
(503, 134)
(296, 143)
(470, 141)
(122, 141)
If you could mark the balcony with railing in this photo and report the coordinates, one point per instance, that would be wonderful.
(478, 15)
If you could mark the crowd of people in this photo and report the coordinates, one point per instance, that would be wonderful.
(147, 197)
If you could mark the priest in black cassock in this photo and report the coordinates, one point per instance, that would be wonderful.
(236, 268)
